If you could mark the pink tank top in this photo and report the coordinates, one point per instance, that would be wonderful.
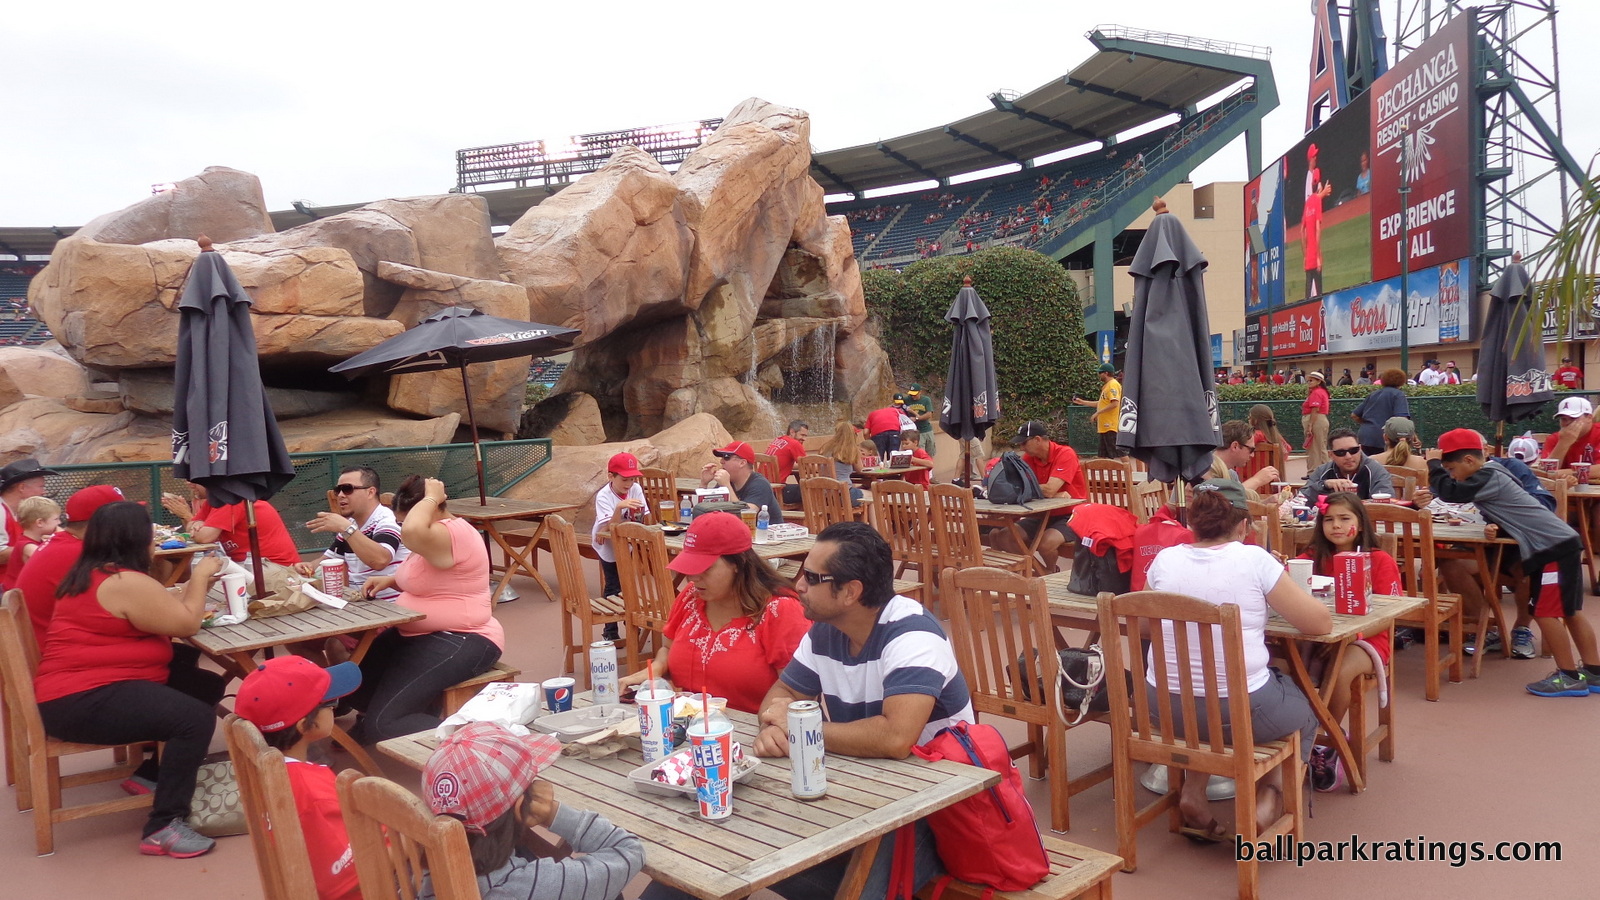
(454, 599)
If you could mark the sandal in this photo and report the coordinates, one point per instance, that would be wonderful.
(1210, 832)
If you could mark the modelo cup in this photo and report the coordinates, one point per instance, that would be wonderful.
(711, 749)
(1352, 573)
(237, 589)
(655, 723)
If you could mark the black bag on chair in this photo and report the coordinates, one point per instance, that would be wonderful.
(1082, 682)
(1094, 572)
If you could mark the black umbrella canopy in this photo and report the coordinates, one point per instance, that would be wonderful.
(971, 400)
(1169, 397)
(1513, 383)
(224, 435)
(455, 337)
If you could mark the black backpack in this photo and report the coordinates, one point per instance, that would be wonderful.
(1011, 481)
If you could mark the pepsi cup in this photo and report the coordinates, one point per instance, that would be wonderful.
(558, 694)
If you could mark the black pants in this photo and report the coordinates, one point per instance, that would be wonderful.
(887, 442)
(403, 677)
(1108, 446)
(181, 712)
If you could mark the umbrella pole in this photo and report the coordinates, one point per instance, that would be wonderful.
(1499, 439)
(255, 548)
(477, 451)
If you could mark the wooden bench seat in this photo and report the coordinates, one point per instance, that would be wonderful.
(458, 694)
(1075, 871)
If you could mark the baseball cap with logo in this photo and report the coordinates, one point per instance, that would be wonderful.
(1574, 407)
(1030, 429)
(1231, 491)
(710, 537)
(739, 449)
(482, 770)
(82, 504)
(1462, 439)
(624, 464)
(285, 689)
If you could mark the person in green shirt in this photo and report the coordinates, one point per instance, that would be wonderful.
(920, 408)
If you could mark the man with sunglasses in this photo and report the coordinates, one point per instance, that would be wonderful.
(366, 535)
(1234, 453)
(1350, 469)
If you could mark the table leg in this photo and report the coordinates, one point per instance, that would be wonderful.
(525, 562)
(1582, 504)
(1319, 705)
(364, 761)
(855, 877)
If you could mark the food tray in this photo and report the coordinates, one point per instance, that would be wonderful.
(576, 723)
(640, 778)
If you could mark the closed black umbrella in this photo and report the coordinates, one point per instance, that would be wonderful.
(1513, 383)
(1169, 397)
(971, 404)
(224, 436)
(454, 338)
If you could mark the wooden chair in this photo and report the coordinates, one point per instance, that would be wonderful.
(813, 465)
(900, 513)
(41, 784)
(1268, 528)
(1419, 576)
(768, 466)
(270, 812)
(1110, 481)
(1075, 872)
(576, 602)
(825, 501)
(1140, 733)
(996, 618)
(1405, 481)
(396, 839)
(647, 592)
(658, 485)
(958, 538)
(1267, 453)
(1148, 498)
(1558, 489)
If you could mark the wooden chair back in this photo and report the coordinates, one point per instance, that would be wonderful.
(1268, 453)
(1110, 481)
(768, 466)
(269, 808)
(955, 526)
(1405, 481)
(577, 604)
(1558, 489)
(996, 618)
(826, 501)
(813, 465)
(658, 485)
(1413, 533)
(396, 840)
(1148, 498)
(900, 513)
(1268, 527)
(647, 592)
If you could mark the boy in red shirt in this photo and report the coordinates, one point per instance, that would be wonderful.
(290, 699)
(921, 462)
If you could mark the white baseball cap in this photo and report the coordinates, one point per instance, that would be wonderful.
(1575, 407)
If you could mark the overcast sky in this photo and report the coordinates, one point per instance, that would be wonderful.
(341, 101)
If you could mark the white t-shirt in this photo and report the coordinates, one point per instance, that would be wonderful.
(383, 528)
(605, 506)
(1430, 376)
(1235, 573)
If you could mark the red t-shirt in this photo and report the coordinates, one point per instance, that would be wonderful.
(87, 647)
(276, 545)
(14, 564)
(1569, 377)
(42, 574)
(1385, 579)
(881, 420)
(13, 539)
(785, 450)
(739, 662)
(1317, 401)
(1278, 378)
(919, 475)
(1575, 452)
(1063, 464)
(316, 798)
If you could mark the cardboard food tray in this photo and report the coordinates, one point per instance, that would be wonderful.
(640, 778)
(575, 723)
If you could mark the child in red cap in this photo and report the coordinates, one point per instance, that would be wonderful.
(621, 500)
(489, 779)
(290, 699)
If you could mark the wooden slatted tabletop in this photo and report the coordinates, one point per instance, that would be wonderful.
(770, 835)
(796, 548)
(316, 623)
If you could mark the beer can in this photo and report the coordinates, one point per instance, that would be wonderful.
(655, 724)
(808, 766)
(335, 577)
(1351, 578)
(557, 694)
(711, 748)
(603, 672)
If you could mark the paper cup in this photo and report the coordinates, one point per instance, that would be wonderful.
(558, 694)
(236, 588)
(655, 724)
(1300, 572)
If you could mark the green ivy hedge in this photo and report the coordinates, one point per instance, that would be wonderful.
(1041, 357)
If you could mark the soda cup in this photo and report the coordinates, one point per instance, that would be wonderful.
(711, 748)
(808, 769)
(603, 673)
(1351, 576)
(669, 512)
(1581, 469)
(237, 589)
(335, 576)
(1300, 573)
(558, 694)
(655, 724)
(1549, 465)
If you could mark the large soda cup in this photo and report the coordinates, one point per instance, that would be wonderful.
(711, 749)
(1352, 574)
(655, 724)
(335, 576)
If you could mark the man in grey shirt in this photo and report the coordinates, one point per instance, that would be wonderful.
(1349, 470)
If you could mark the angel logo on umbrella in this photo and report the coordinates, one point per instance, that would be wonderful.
(217, 442)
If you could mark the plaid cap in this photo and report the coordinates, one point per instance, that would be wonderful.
(482, 770)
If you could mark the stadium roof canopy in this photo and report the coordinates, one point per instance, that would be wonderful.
(1115, 90)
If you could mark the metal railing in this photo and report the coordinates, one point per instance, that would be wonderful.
(1168, 39)
(505, 463)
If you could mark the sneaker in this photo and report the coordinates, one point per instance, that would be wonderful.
(611, 632)
(1522, 643)
(1322, 760)
(1559, 684)
(177, 840)
(138, 785)
(1405, 637)
(1491, 644)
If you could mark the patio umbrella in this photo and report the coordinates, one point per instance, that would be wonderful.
(971, 404)
(224, 436)
(1513, 383)
(454, 338)
(1169, 398)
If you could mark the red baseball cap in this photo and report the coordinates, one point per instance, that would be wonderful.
(710, 537)
(624, 464)
(482, 770)
(739, 449)
(1460, 439)
(285, 689)
(82, 504)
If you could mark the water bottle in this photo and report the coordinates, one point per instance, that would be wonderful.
(685, 512)
(762, 521)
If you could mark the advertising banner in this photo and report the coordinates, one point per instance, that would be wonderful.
(1367, 318)
(1263, 213)
(1294, 331)
(1424, 102)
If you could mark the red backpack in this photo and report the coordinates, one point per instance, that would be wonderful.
(989, 838)
(1154, 536)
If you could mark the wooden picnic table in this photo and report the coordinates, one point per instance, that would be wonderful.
(1581, 496)
(795, 548)
(1010, 516)
(179, 560)
(882, 473)
(770, 835)
(487, 517)
(234, 646)
(1080, 611)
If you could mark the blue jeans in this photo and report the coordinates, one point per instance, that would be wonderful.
(403, 677)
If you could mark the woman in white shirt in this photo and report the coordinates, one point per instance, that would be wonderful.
(1218, 568)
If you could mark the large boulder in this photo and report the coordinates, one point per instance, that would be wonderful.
(47, 429)
(221, 203)
(150, 391)
(573, 474)
(44, 371)
(362, 427)
(568, 420)
(608, 251)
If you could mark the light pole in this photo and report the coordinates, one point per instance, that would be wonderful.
(1405, 254)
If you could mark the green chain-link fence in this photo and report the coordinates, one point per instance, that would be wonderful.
(504, 462)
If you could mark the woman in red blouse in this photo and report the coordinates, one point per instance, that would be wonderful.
(1314, 421)
(735, 624)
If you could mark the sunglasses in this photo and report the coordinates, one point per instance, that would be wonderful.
(1348, 451)
(815, 578)
(348, 489)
